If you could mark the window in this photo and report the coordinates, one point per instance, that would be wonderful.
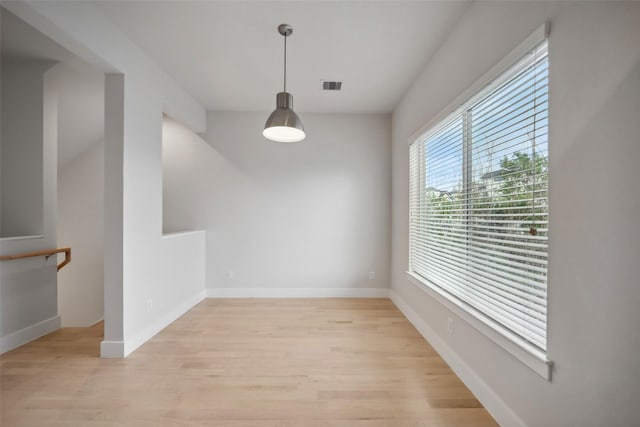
(479, 203)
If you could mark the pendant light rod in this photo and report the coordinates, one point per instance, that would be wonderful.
(286, 30)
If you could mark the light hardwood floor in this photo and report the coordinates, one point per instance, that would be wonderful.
(244, 362)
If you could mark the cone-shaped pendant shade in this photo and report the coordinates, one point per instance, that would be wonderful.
(284, 125)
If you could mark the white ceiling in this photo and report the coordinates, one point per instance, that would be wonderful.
(228, 54)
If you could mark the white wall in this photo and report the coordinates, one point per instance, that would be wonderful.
(304, 219)
(28, 286)
(81, 227)
(141, 295)
(594, 206)
(21, 147)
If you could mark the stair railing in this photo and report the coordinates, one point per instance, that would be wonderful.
(46, 253)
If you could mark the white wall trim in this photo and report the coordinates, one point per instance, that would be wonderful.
(94, 323)
(112, 349)
(28, 334)
(14, 238)
(297, 292)
(491, 401)
(130, 345)
(181, 233)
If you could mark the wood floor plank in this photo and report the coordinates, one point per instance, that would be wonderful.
(244, 362)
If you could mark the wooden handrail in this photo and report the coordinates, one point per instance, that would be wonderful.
(46, 253)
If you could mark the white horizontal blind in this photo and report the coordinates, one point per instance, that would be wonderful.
(478, 203)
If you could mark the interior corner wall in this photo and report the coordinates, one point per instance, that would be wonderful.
(304, 219)
(594, 248)
(81, 227)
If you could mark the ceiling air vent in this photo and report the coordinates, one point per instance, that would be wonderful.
(331, 86)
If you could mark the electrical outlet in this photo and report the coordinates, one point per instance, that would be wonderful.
(149, 305)
(450, 325)
(230, 274)
(372, 275)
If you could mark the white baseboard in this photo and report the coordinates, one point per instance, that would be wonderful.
(130, 345)
(297, 292)
(112, 349)
(96, 322)
(89, 324)
(28, 334)
(491, 401)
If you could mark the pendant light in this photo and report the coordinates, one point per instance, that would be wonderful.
(284, 125)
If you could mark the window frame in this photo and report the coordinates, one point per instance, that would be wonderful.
(530, 355)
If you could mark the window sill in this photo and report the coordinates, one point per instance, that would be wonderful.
(518, 348)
